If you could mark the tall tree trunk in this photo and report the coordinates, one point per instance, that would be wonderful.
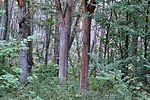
(48, 30)
(146, 31)
(102, 32)
(10, 21)
(146, 42)
(126, 46)
(73, 33)
(23, 52)
(47, 47)
(127, 36)
(135, 41)
(30, 43)
(6, 7)
(86, 8)
(78, 48)
(64, 29)
(56, 44)
(106, 48)
(56, 40)
(85, 54)
(25, 55)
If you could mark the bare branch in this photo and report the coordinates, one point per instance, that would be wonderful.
(91, 6)
(20, 3)
(60, 12)
(84, 6)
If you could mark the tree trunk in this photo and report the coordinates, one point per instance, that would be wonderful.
(56, 41)
(56, 45)
(64, 29)
(86, 8)
(126, 46)
(24, 65)
(25, 55)
(23, 52)
(73, 33)
(85, 54)
(146, 71)
(30, 43)
(48, 30)
(6, 23)
(134, 41)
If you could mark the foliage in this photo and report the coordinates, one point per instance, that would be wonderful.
(44, 85)
(115, 77)
(8, 54)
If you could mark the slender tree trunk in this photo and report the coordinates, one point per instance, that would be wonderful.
(56, 44)
(25, 55)
(64, 29)
(73, 33)
(6, 25)
(47, 47)
(48, 30)
(112, 55)
(106, 48)
(78, 48)
(23, 52)
(74, 29)
(56, 39)
(24, 65)
(134, 50)
(30, 43)
(120, 44)
(135, 41)
(86, 8)
(127, 37)
(146, 42)
(10, 20)
(101, 45)
(146, 31)
(126, 46)
(85, 54)
(63, 56)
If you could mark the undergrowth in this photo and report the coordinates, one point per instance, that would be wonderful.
(44, 85)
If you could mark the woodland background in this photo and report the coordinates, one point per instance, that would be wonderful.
(75, 50)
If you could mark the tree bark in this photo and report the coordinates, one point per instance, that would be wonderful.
(74, 31)
(25, 55)
(56, 40)
(56, 44)
(146, 71)
(30, 43)
(86, 8)
(5, 34)
(48, 30)
(64, 29)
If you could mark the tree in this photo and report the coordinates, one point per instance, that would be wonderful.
(5, 34)
(48, 30)
(64, 29)
(57, 42)
(87, 9)
(25, 53)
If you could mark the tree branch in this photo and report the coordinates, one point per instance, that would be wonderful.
(60, 12)
(84, 6)
(20, 3)
(91, 6)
